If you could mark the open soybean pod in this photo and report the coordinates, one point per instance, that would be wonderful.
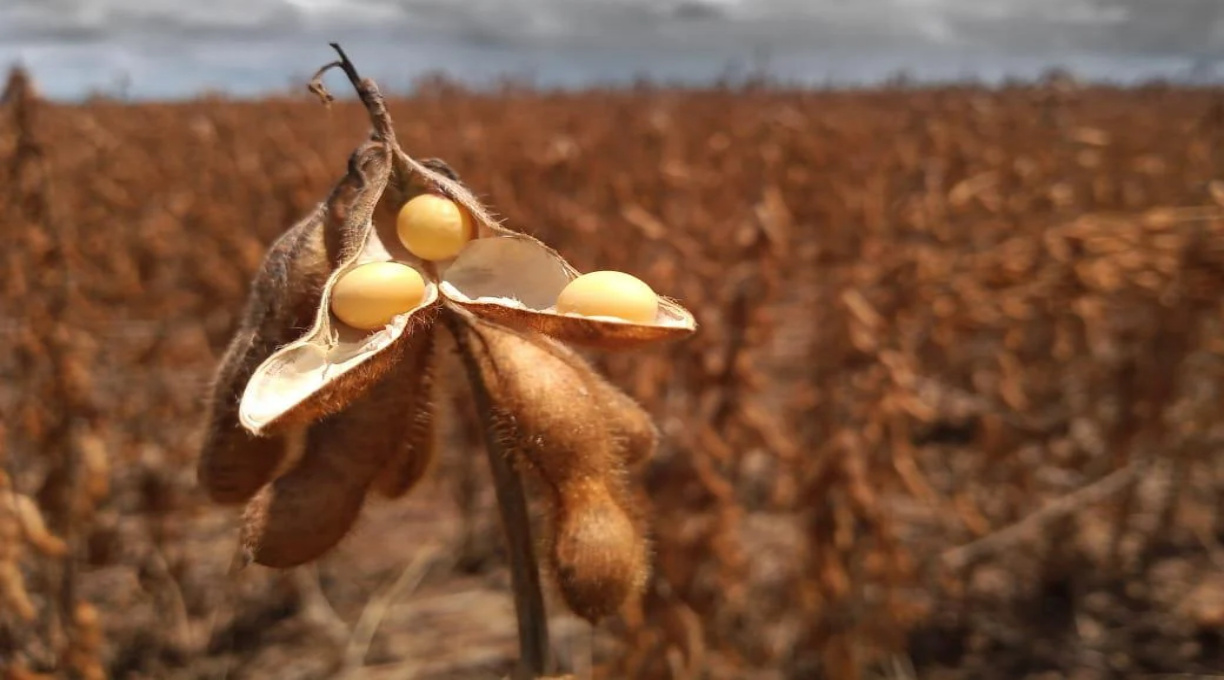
(281, 306)
(308, 510)
(335, 361)
(513, 279)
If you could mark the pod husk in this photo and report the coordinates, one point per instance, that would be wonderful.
(555, 424)
(284, 295)
(514, 280)
(414, 454)
(333, 364)
(308, 510)
(633, 430)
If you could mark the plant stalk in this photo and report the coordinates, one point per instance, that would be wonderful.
(516, 523)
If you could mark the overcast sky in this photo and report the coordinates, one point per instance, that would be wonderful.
(170, 48)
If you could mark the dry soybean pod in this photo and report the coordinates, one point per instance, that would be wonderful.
(552, 419)
(234, 463)
(633, 429)
(415, 452)
(306, 512)
(282, 306)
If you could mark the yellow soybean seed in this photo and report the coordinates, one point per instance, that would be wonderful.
(433, 227)
(609, 293)
(370, 295)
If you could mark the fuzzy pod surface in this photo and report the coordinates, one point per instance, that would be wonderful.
(307, 511)
(556, 424)
(233, 462)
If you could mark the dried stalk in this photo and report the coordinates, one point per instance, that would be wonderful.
(516, 523)
(1116, 481)
(372, 616)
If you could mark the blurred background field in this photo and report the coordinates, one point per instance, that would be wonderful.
(953, 410)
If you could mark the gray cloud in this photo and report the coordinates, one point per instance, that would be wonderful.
(1169, 26)
(172, 46)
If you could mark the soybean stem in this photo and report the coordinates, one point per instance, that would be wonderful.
(367, 91)
(512, 503)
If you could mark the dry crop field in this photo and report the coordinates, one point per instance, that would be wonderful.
(952, 410)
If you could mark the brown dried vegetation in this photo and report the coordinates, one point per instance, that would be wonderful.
(926, 315)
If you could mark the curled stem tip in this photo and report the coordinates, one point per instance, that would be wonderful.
(316, 86)
(366, 89)
(343, 63)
